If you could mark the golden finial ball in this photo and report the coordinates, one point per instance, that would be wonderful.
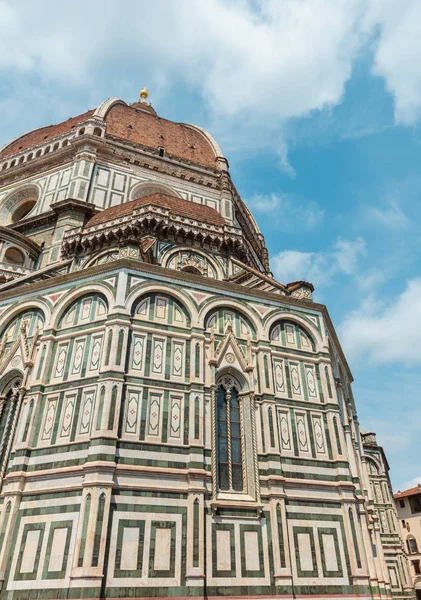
(144, 93)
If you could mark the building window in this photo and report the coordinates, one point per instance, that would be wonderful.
(416, 564)
(402, 503)
(403, 523)
(412, 545)
(229, 451)
(415, 503)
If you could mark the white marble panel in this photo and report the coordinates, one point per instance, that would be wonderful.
(251, 546)
(57, 549)
(162, 560)
(223, 550)
(30, 551)
(129, 548)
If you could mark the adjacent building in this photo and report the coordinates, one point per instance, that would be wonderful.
(174, 422)
(408, 506)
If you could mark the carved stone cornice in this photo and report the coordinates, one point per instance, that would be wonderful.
(156, 221)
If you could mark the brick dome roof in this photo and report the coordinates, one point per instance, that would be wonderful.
(145, 128)
(137, 123)
(38, 136)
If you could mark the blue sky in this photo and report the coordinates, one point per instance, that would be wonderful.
(317, 105)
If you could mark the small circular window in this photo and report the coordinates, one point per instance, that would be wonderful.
(13, 256)
(22, 210)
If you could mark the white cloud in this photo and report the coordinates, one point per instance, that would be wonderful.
(319, 268)
(256, 64)
(287, 211)
(397, 53)
(386, 334)
(392, 216)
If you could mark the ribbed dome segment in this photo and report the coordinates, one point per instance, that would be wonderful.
(38, 136)
(145, 128)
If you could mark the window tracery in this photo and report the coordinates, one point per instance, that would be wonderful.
(229, 426)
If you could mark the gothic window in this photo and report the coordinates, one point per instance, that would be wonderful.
(98, 530)
(8, 408)
(338, 439)
(84, 531)
(271, 430)
(197, 360)
(113, 403)
(229, 447)
(354, 538)
(109, 344)
(266, 370)
(291, 335)
(329, 386)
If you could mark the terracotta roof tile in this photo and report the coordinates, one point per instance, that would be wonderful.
(410, 492)
(141, 127)
(177, 206)
(38, 136)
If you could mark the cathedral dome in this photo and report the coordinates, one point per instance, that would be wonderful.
(137, 123)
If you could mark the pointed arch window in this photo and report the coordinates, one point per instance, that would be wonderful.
(229, 447)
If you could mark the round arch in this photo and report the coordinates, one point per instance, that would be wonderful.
(146, 188)
(168, 254)
(215, 303)
(14, 256)
(19, 204)
(14, 311)
(68, 299)
(92, 261)
(373, 461)
(288, 316)
(148, 288)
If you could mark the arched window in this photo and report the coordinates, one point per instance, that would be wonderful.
(98, 531)
(412, 544)
(229, 449)
(338, 439)
(9, 407)
(197, 360)
(84, 530)
(271, 430)
(266, 370)
(22, 210)
(329, 386)
(354, 538)
(196, 509)
(14, 256)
